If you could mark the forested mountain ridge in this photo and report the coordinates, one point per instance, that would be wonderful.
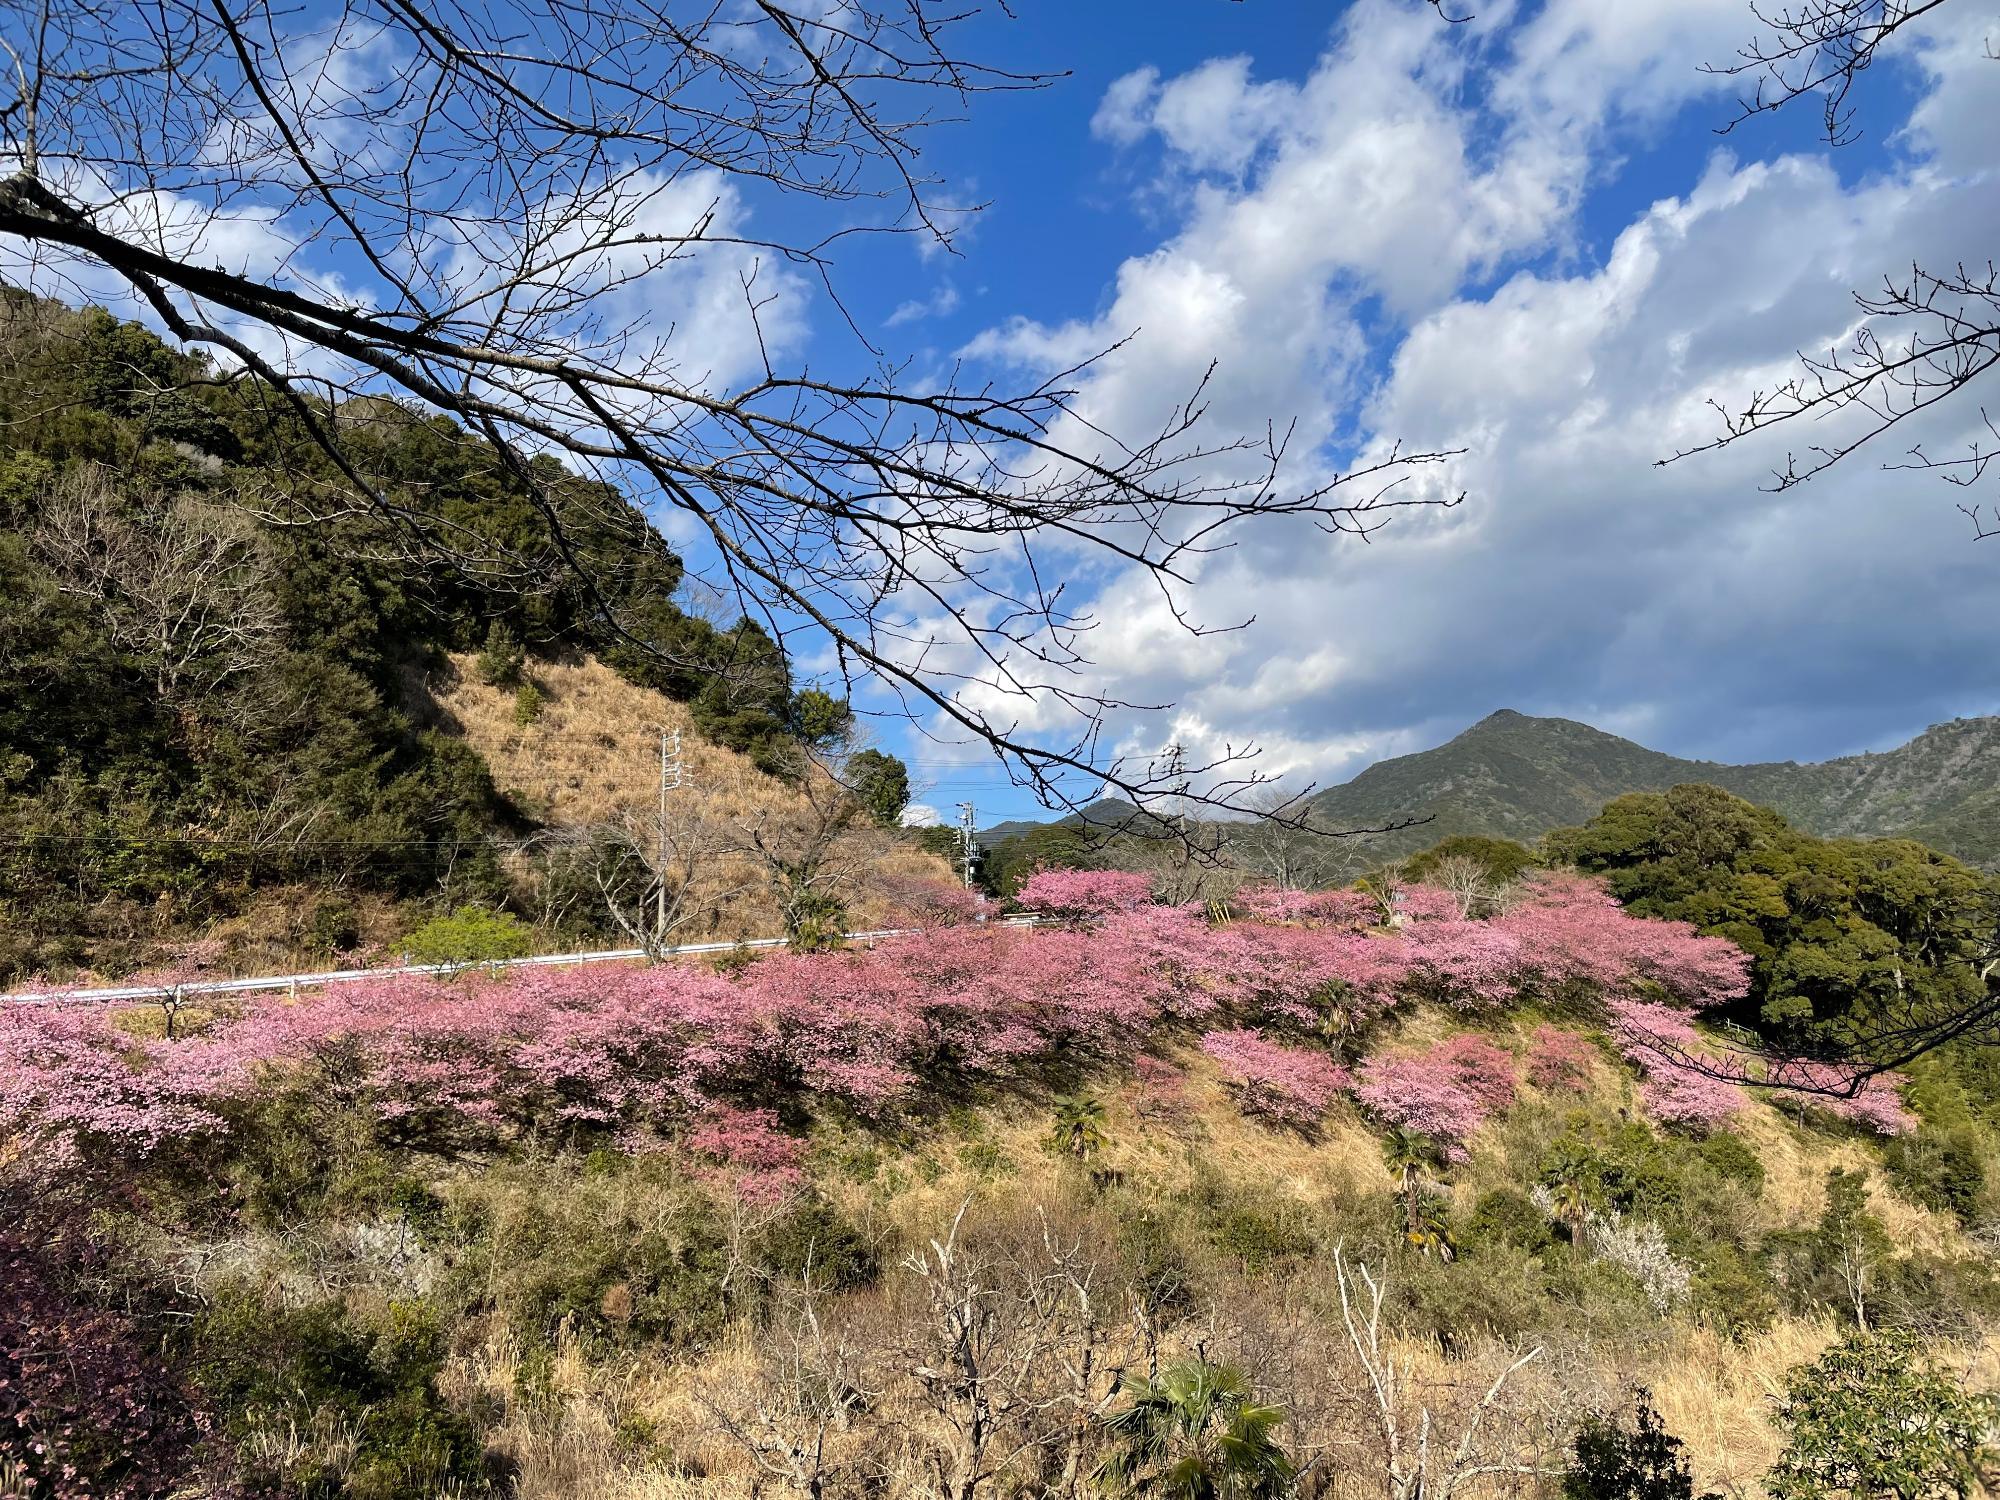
(1513, 775)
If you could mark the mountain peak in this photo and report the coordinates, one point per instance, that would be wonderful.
(1516, 775)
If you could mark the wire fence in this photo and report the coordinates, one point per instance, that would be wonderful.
(292, 983)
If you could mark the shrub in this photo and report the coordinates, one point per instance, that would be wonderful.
(1873, 1416)
(358, 1385)
(87, 1404)
(528, 705)
(1732, 1291)
(635, 1255)
(1252, 1227)
(1731, 1157)
(1610, 1461)
(501, 661)
(308, 1145)
(814, 1243)
(1941, 1169)
(470, 935)
(1507, 1216)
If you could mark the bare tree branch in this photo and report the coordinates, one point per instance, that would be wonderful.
(470, 209)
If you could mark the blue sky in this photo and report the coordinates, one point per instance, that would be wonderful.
(1683, 607)
(1521, 237)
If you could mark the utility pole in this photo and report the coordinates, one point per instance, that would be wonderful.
(1177, 775)
(1180, 853)
(968, 844)
(672, 775)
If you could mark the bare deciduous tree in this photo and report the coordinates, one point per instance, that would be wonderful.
(1288, 843)
(810, 848)
(796, 1417)
(1007, 1357)
(658, 885)
(1465, 880)
(466, 207)
(184, 586)
(1420, 1460)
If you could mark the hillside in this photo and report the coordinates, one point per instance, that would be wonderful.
(591, 757)
(649, 1230)
(1515, 776)
(214, 734)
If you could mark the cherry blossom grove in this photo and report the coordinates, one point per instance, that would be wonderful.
(1282, 996)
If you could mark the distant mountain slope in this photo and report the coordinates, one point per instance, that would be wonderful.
(1517, 776)
(1105, 813)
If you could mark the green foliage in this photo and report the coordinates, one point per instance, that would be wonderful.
(1731, 1157)
(881, 783)
(1252, 1227)
(1195, 1432)
(632, 1255)
(1504, 860)
(470, 935)
(816, 717)
(1611, 1461)
(1732, 1290)
(814, 1245)
(502, 658)
(1842, 931)
(126, 816)
(353, 1387)
(1047, 846)
(1507, 1216)
(1078, 1131)
(1836, 1263)
(1941, 1169)
(528, 705)
(1874, 1417)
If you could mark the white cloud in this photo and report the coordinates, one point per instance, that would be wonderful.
(940, 303)
(1683, 603)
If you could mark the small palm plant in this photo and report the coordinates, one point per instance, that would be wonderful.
(1429, 1230)
(1195, 1432)
(1411, 1155)
(1571, 1177)
(1079, 1127)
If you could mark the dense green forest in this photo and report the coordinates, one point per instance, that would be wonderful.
(206, 642)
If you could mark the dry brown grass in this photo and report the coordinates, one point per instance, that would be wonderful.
(593, 756)
(632, 1430)
(1796, 1161)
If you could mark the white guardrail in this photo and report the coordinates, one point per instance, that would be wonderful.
(293, 982)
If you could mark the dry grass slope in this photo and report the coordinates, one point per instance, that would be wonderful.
(1715, 1392)
(593, 756)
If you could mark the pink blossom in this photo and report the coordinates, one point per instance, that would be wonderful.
(1559, 1060)
(1468, 964)
(1573, 931)
(635, 1049)
(762, 1164)
(915, 902)
(1085, 895)
(1445, 1093)
(1292, 1085)
(1876, 1104)
(1676, 1089)
(1353, 910)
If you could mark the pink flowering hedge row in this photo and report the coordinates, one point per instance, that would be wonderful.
(873, 1030)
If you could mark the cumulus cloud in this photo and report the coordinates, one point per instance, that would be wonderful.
(1684, 604)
